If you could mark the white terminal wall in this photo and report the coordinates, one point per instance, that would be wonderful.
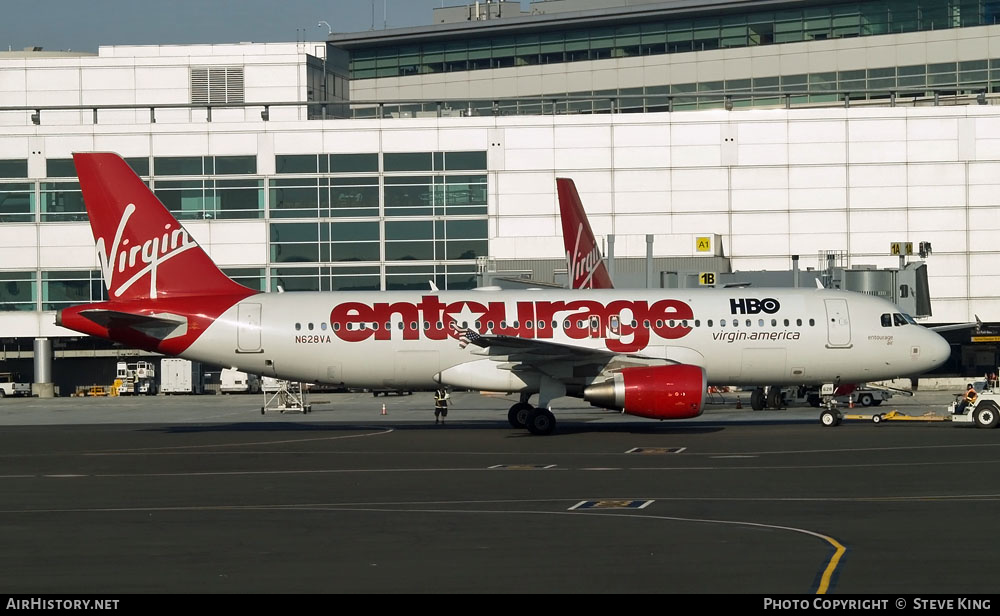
(771, 183)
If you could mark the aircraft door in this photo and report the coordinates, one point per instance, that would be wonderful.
(838, 323)
(248, 332)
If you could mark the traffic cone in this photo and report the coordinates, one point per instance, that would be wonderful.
(739, 403)
(383, 408)
(850, 404)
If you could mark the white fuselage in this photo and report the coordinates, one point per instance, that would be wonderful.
(409, 339)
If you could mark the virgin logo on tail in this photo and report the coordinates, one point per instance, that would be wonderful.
(582, 267)
(583, 258)
(133, 262)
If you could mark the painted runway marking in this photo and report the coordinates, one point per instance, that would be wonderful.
(824, 577)
(656, 450)
(521, 467)
(611, 504)
(380, 432)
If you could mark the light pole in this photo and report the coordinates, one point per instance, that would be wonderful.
(329, 31)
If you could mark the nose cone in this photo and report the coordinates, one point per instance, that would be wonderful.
(938, 350)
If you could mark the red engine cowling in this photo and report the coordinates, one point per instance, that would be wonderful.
(656, 392)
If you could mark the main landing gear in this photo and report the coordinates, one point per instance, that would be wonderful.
(538, 421)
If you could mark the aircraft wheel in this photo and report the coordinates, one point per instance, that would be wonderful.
(775, 398)
(876, 418)
(518, 414)
(757, 399)
(986, 415)
(541, 422)
(866, 399)
(829, 418)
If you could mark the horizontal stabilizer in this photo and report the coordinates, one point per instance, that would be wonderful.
(161, 326)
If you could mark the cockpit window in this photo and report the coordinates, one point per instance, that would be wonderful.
(909, 319)
(897, 319)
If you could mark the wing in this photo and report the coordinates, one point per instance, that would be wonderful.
(948, 328)
(568, 363)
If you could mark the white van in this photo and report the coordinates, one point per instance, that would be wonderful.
(236, 382)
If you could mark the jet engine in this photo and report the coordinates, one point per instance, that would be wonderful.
(656, 392)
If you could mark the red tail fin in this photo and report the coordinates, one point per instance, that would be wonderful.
(143, 251)
(583, 257)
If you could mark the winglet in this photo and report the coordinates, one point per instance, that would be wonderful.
(583, 258)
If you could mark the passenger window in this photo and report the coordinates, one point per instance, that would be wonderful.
(336, 327)
(566, 324)
(697, 322)
(684, 323)
(427, 325)
(886, 320)
(812, 322)
(749, 322)
(323, 325)
(298, 326)
(798, 322)
(709, 323)
(722, 322)
(529, 324)
(760, 322)
(774, 322)
(310, 327)
(786, 322)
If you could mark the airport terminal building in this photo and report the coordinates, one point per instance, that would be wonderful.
(783, 132)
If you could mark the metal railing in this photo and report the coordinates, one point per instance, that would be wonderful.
(538, 105)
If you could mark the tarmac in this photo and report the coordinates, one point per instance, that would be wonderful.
(204, 494)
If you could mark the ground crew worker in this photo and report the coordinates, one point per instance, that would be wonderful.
(441, 401)
(967, 400)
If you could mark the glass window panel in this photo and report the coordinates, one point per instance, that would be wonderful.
(294, 253)
(239, 199)
(408, 161)
(178, 165)
(466, 249)
(295, 278)
(409, 251)
(250, 277)
(295, 163)
(354, 200)
(185, 199)
(61, 289)
(294, 198)
(409, 230)
(235, 165)
(139, 165)
(62, 201)
(343, 282)
(353, 163)
(466, 229)
(17, 202)
(355, 251)
(294, 232)
(14, 168)
(60, 168)
(354, 231)
(465, 161)
(17, 291)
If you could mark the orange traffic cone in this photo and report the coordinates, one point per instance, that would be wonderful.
(850, 404)
(383, 408)
(739, 403)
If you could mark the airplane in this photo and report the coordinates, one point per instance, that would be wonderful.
(645, 352)
(587, 271)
